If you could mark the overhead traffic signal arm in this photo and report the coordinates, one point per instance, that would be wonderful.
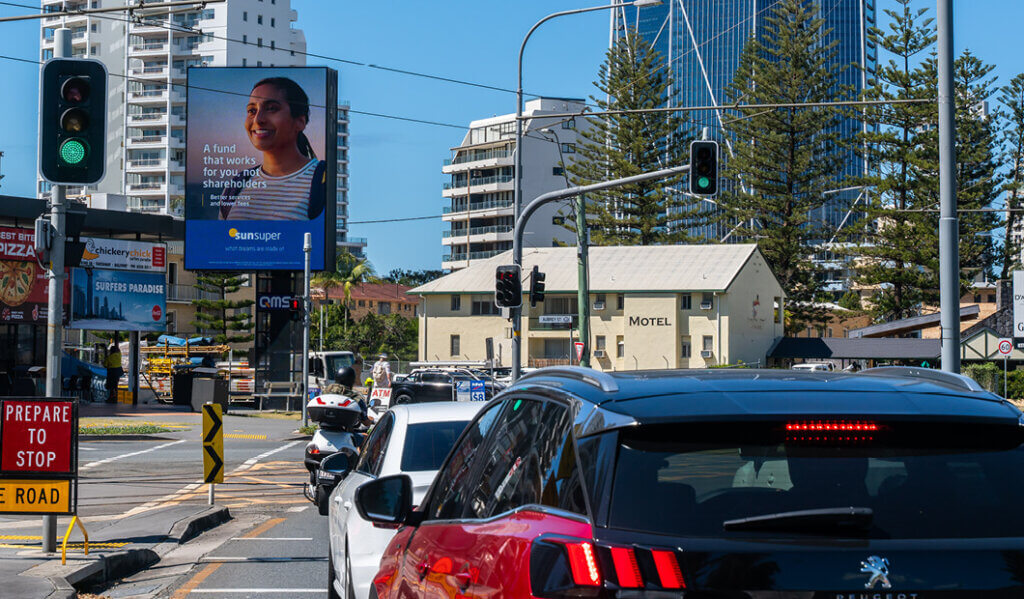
(72, 121)
(704, 167)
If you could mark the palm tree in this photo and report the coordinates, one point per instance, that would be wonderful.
(349, 271)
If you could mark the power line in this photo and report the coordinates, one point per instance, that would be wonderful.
(394, 220)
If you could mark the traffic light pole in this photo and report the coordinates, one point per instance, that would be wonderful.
(307, 248)
(547, 198)
(582, 283)
(55, 302)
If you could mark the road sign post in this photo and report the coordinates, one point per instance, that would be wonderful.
(213, 446)
(1005, 348)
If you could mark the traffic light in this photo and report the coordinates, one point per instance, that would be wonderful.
(536, 286)
(72, 121)
(704, 168)
(508, 288)
(295, 308)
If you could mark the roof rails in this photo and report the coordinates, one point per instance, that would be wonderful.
(938, 376)
(603, 381)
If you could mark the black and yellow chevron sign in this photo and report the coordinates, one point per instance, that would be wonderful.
(213, 444)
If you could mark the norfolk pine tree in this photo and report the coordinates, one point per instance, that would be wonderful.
(785, 159)
(633, 76)
(898, 251)
(223, 317)
(1012, 98)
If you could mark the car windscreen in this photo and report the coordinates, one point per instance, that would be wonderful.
(337, 362)
(428, 443)
(893, 482)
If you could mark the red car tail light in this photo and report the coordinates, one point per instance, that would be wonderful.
(669, 573)
(626, 567)
(583, 564)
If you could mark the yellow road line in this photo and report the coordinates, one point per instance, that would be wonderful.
(20, 538)
(203, 574)
(241, 436)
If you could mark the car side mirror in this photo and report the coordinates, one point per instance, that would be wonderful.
(386, 500)
(339, 463)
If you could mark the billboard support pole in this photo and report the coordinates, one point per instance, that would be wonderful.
(307, 248)
(55, 301)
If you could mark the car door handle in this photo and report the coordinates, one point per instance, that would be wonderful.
(337, 499)
(347, 505)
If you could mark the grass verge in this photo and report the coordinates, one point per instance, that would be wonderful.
(122, 429)
(309, 429)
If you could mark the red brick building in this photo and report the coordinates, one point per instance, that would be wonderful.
(379, 298)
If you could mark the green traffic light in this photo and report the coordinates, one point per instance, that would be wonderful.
(703, 182)
(73, 151)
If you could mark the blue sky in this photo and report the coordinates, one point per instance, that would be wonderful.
(395, 166)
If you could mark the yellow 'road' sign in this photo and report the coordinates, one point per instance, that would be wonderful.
(45, 496)
(213, 444)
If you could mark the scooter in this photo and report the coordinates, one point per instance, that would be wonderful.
(340, 418)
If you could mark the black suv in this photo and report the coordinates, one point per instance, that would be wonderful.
(437, 385)
(892, 483)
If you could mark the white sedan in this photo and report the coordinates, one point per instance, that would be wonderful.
(411, 439)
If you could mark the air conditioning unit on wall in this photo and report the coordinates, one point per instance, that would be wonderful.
(705, 305)
(706, 353)
(599, 353)
(599, 305)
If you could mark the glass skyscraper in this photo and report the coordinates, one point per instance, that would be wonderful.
(701, 41)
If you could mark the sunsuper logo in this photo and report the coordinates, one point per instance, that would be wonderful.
(253, 235)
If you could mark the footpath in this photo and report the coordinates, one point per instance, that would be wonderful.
(119, 544)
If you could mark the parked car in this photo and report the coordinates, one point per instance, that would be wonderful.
(815, 366)
(437, 385)
(409, 439)
(893, 482)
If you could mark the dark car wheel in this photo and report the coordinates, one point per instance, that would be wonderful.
(404, 398)
(331, 577)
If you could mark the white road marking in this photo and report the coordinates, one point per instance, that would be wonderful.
(252, 461)
(272, 538)
(298, 508)
(219, 558)
(254, 591)
(128, 455)
(84, 448)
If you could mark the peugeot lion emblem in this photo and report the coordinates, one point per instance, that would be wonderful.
(878, 568)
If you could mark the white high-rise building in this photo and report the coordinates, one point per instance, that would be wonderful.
(480, 213)
(146, 108)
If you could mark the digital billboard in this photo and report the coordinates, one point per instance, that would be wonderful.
(261, 167)
(118, 300)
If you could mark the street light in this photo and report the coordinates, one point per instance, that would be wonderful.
(582, 259)
(517, 199)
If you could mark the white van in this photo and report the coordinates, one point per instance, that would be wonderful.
(815, 366)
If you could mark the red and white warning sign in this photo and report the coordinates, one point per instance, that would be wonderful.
(1005, 347)
(579, 350)
(37, 436)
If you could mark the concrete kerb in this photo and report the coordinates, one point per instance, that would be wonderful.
(115, 566)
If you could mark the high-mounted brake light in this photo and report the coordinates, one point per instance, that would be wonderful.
(832, 426)
(670, 575)
(583, 564)
(626, 568)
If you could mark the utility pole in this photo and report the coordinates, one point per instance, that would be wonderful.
(949, 254)
(55, 302)
(582, 281)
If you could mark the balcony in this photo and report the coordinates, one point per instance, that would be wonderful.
(159, 72)
(149, 119)
(148, 141)
(148, 189)
(481, 181)
(147, 164)
(148, 49)
(188, 293)
(471, 256)
(480, 234)
(148, 96)
(478, 159)
(149, 26)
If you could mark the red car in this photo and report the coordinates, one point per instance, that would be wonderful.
(718, 484)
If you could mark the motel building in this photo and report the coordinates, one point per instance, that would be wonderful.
(672, 306)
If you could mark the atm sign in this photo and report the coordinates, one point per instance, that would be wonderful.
(32, 496)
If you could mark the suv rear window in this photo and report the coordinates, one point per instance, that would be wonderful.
(921, 485)
(428, 443)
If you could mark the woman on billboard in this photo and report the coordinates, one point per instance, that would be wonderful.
(290, 184)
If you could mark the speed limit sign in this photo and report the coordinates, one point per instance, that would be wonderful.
(1005, 347)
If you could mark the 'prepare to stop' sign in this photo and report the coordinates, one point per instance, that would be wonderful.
(37, 436)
